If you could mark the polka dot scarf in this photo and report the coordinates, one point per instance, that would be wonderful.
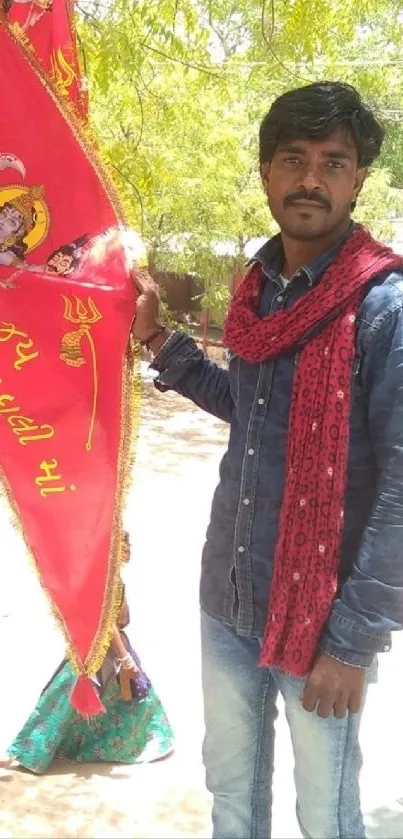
(305, 574)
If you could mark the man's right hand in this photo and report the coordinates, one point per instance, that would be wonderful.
(147, 306)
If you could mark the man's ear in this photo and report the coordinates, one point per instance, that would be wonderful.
(265, 175)
(360, 177)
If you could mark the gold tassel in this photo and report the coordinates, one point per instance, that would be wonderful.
(71, 351)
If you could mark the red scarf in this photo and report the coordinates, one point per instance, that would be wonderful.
(306, 561)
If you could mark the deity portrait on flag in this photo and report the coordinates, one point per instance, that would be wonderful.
(24, 222)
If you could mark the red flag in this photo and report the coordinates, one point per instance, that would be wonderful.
(66, 307)
(47, 27)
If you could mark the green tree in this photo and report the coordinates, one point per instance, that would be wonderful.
(177, 90)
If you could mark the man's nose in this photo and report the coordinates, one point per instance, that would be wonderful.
(310, 177)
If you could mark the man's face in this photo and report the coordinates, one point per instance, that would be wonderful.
(11, 223)
(310, 185)
(60, 263)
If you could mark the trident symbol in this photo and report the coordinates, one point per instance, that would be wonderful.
(62, 72)
(84, 316)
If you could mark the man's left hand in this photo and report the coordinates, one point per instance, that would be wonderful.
(333, 688)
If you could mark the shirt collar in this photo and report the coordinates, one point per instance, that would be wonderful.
(271, 258)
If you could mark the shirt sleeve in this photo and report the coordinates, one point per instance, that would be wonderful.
(370, 604)
(183, 367)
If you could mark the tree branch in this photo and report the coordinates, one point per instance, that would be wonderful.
(269, 39)
(189, 64)
(91, 17)
(136, 190)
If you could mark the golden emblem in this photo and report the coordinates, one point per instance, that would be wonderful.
(62, 72)
(84, 315)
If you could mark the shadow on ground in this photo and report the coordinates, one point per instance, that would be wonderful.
(139, 802)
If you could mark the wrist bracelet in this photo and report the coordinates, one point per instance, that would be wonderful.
(124, 659)
(164, 346)
(152, 337)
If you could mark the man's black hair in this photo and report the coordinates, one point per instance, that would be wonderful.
(69, 249)
(314, 112)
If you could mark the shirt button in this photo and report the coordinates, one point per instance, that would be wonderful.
(280, 298)
(260, 401)
(241, 549)
(251, 451)
(246, 501)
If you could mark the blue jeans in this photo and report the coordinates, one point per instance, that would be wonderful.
(238, 751)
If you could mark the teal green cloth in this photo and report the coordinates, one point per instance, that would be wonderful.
(129, 732)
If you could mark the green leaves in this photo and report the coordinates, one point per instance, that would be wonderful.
(178, 88)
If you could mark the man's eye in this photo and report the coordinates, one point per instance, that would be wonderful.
(334, 164)
(293, 161)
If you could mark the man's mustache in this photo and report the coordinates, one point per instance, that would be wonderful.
(304, 195)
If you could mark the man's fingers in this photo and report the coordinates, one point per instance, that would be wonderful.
(341, 706)
(144, 283)
(310, 697)
(138, 280)
(354, 704)
(333, 688)
(326, 704)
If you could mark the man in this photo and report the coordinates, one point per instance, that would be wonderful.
(302, 572)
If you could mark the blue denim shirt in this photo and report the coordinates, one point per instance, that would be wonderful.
(255, 399)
